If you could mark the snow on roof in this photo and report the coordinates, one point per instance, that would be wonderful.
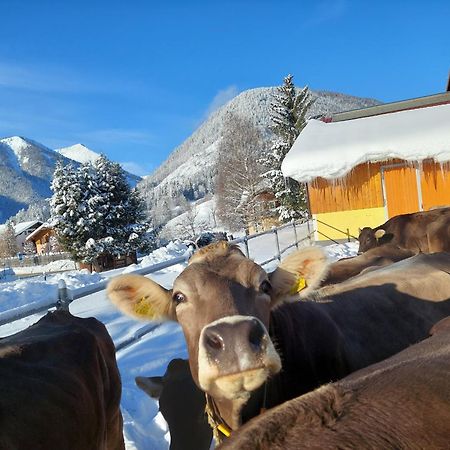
(22, 226)
(330, 150)
(45, 226)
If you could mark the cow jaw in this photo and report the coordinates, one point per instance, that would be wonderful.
(245, 367)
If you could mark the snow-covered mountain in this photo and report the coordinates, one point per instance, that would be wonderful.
(26, 169)
(190, 170)
(78, 152)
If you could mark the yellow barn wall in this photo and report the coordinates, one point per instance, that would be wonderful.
(352, 219)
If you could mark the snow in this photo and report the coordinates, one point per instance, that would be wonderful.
(144, 427)
(201, 218)
(331, 150)
(54, 266)
(79, 153)
(22, 226)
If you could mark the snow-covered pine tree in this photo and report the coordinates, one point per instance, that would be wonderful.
(121, 209)
(68, 208)
(288, 116)
(97, 211)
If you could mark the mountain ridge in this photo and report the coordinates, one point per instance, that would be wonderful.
(27, 168)
(190, 169)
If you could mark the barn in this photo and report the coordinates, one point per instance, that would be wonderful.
(364, 166)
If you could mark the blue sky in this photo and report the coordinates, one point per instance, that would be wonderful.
(133, 79)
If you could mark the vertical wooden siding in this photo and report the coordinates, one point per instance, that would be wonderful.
(401, 191)
(435, 183)
(361, 188)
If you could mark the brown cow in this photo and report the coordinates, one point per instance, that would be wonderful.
(60, 387)
(425, 231)
(225, 304)
(346, 268)
(400, 403)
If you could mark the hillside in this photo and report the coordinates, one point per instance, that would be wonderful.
(26, 169)
(190, 170)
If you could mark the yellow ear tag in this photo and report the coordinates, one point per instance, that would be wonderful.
(299, 285)
(225, 431)
(144, 308)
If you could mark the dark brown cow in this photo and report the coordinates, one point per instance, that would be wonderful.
(182, 404)
(400, 403)
(384, 255)
(60, 387)
(225, 304)
(425, 231)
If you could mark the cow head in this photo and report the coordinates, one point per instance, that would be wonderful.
(370, 238)
(222, 301)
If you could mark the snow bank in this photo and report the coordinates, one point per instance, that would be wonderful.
(331, 150)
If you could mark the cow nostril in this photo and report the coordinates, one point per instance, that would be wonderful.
(213, 340)
(256, 334)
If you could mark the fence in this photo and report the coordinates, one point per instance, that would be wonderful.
(287, 236)
(32, 260)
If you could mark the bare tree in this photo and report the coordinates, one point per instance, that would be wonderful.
(239, 174)
(8, 243)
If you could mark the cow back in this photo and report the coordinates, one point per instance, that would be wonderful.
(60, 386)
(402, 402)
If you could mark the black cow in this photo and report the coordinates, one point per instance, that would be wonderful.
(400, 403)
(182, 404)
(60, 387)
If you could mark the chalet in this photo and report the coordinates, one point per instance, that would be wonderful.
(44, 238)
(364, 166)
(22, 230)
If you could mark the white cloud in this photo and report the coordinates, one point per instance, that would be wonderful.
(222, 97)
(135, 168)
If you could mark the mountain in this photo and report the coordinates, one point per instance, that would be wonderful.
(26, 169)
(83, 154)
(78, 152)
(190, 169)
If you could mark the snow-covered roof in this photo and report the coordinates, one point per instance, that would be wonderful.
(330, 150)
(22, 226)
(45, 226)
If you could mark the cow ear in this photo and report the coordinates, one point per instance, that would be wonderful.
(141, 298)
(379, 233)
(299, 273)
(152, 386)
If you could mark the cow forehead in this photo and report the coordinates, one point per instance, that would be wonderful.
(219, 272)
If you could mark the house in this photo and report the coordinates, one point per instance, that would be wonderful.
(106, 261)
(22, 230)
(44, 238)
(365, 166)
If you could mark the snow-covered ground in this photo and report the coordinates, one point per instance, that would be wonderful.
(144, 427)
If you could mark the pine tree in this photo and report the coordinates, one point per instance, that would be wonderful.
(288, 115)
(96, 211)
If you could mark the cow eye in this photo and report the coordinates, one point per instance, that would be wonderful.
(178, 298)
(265, 287)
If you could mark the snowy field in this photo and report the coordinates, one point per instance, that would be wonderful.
(144, 427)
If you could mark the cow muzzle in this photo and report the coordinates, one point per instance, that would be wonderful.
(236, 355)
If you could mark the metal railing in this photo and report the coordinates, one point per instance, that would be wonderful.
(346, 233)
(67, 296)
